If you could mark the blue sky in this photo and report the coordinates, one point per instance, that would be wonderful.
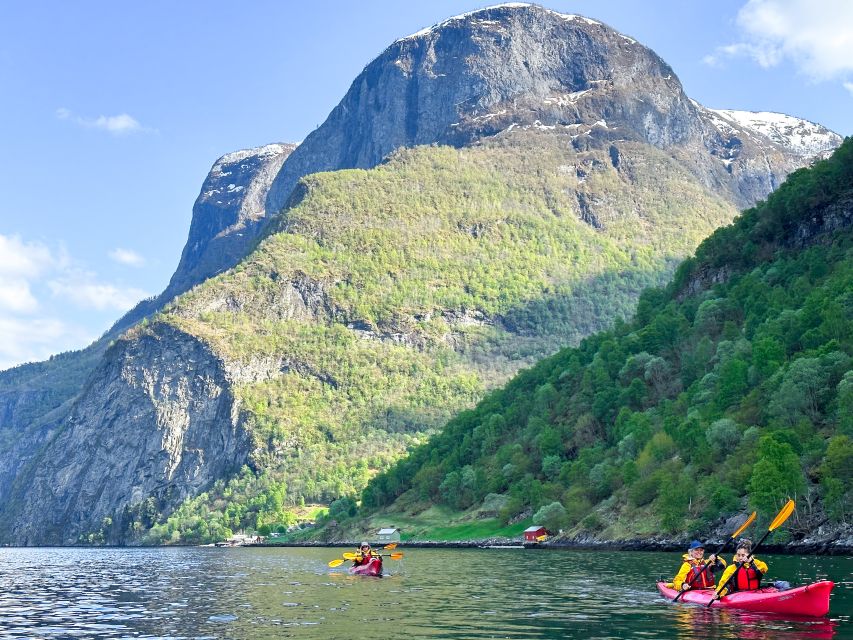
(112, 113)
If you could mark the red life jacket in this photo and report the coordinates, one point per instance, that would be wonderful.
(703, 581)
(746, 578)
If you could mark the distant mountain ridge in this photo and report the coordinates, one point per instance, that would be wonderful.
(602, 110)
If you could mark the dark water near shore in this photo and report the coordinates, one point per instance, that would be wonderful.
(432, 593)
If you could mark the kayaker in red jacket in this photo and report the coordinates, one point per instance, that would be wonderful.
(364, 555)
(691, 574)
(746, 572)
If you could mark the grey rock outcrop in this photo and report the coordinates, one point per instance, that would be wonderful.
(226, 213)
(156, 420)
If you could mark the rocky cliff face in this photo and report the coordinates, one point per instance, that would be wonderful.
(225, 222)
(227, 217)
(519, 65)
(229, 207)
(156, 419)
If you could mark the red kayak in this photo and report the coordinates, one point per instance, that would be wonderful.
(372, 568)
(810, 600)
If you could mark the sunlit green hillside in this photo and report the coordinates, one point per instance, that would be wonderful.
(732, 387)
(387, 300)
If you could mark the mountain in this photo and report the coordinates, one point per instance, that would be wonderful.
(227, 216)
(519, 65)
(522, 189)
(224, 221)
(732, 387)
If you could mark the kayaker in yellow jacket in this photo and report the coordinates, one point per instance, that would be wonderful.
(745, 572)
(693, 574)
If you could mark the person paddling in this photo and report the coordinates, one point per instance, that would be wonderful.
(694, 574)
(745, 572)
(364, 555)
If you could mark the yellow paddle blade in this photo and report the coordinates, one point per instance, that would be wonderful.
(396, 556)
(351, 556)
(336, 563)
(744, 525)
(393, 545)
(784, 514)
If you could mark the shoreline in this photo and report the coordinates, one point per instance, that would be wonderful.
(813, 549)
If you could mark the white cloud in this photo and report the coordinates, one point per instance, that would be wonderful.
(121, 124)
(815, 35)
(127, 256)
(36, 284)
(83, 290)
(33, 339)
(849, 87)
(19, 263)
(23, 259)
(16, 296)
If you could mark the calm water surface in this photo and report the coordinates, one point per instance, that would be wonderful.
(291, 593)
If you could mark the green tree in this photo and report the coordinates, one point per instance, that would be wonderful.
(552, 516)
(776, 476)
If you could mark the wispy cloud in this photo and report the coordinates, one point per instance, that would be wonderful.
(33, 339)
(83, 289)
(127, 256)
(20, 262)
(122, 124)
(816, 36)
(37, 284)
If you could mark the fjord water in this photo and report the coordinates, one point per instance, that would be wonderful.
(247, 593)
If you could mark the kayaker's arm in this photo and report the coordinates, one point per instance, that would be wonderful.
(723, 581)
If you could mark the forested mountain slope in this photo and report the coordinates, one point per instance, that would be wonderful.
(731, 386)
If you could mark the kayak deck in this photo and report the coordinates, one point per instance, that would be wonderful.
(809, 600)
(372, 568)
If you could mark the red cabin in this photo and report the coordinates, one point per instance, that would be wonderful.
(532, 533)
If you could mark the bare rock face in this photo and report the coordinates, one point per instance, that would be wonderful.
(227, 212)
(156, 419)
(518, 65)
(227, 217)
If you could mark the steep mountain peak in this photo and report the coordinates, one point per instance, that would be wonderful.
(227, 217)
(230, 204)
(480, 73)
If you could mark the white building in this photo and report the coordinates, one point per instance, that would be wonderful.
(389, 535)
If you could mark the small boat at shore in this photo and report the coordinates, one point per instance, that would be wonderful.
(809, 600)
(372, 568)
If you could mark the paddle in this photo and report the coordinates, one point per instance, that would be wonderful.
(780, 518)
(352, 556)
(740, 530)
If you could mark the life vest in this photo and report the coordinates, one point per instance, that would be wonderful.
(746, 578)
(703, 581)
(365, 558)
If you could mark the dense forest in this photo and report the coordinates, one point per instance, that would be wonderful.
(387, 300)
(731, 387)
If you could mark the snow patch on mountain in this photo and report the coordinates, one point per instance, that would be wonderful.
(803, 137)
